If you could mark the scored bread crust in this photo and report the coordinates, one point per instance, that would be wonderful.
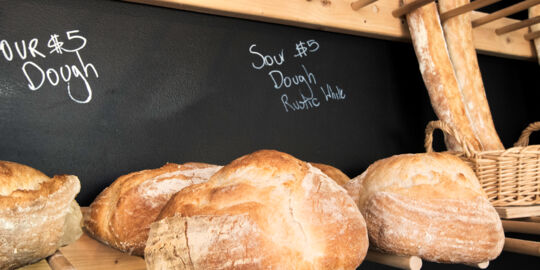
(38, 214)
(533, 12)
(438, 74)
(334, 173)
(121, 215)
(459, 38)
(264, 210)
(428, 205)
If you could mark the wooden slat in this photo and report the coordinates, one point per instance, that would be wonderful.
(532, 35)
(401, 262)
(408, 8)
(510, 212)
(505, 12)
(518, 25)
(57, 261)
(361, 3)
(89, 254)
(473, 5)
(521, 227)
(522, 246)
(41, 265)
(375, 20)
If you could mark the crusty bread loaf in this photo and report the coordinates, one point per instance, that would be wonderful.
(334, 173)
(429, 205)
(438, 74)
(533, 12)
(266, 210)
(121, 215)
(38, 214)
(459, 39)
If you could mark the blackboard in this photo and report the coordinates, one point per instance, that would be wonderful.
(175, 86)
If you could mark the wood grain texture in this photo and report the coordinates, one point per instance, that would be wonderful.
(375, 20)
(518, 211)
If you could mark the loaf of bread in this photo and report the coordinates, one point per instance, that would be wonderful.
(38, 214)
(121, 215)
(459, 39)
(334, 173)
(533, 12)
(266, 210)
(438, 74)
(428, 205)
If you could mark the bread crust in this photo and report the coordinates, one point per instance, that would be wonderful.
(459, 38)
(428, 205)
(122, 213)
(533, 12)
(438, 74)
(264, 210)
(334, 173)
(38, 215)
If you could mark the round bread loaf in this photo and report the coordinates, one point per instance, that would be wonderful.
(429, 205)
(266, 210)
(334, 173)
(38, 214)
(121, 215)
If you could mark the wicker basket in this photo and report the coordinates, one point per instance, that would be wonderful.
(509, 177)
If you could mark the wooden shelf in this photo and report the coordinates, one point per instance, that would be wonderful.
(510, 212)
(374, 20)
(89, 254)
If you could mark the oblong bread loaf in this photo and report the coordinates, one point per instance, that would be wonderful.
(438, 74)
(459, 39)
(122, 213)
(428, 205)
(533, 12)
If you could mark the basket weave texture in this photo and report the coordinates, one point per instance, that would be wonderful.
(509, 177)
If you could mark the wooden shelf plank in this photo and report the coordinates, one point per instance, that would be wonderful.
(510, 212)
(41, 265)
(89, 254)
(375, 20)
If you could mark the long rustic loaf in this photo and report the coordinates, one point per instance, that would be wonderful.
(266, 210)
(121, 215)
(438, 73)
(459, 38)
(38, 214)
(428, 205)
(533, 12)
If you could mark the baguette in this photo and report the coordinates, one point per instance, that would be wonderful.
(459, 38)
(438, 74)
(533, 12)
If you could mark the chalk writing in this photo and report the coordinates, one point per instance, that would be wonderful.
(303, 80)
(37, 76)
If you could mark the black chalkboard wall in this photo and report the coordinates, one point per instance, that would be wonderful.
(150, 85)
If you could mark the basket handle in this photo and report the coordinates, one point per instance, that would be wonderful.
(524, 138)
(430, 128)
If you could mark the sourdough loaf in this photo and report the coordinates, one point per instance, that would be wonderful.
(38, 214)
(121, 215)
(438, 74)
(459, 38)
(334, 173)
(266, 210)
(429, 205)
